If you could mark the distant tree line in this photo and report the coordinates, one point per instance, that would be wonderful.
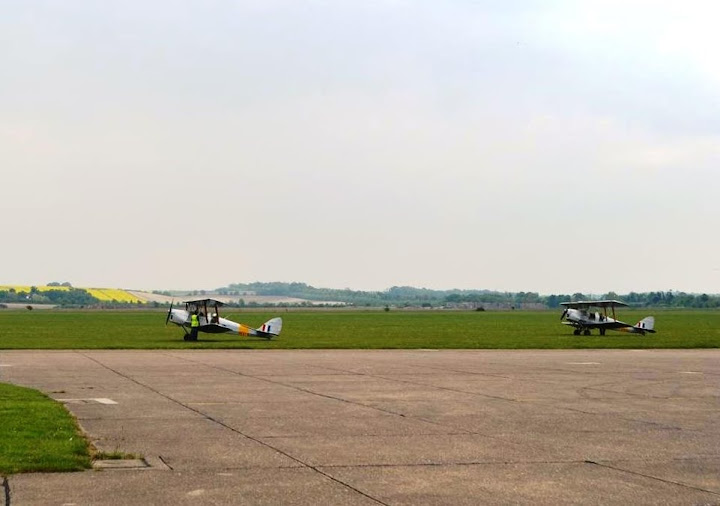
(410, 296)
(71, 297)
(67, 297)
(397, 296)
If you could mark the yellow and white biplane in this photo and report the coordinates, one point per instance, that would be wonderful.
(209, 320)
(578, 315)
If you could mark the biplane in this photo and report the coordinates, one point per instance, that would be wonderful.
(579, 315)
(209, 320)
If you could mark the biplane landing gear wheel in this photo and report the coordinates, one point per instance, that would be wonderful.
(576, 332)
(586, 332)
(602, 332)
(186, 337)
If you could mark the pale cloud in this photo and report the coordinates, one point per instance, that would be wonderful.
(554, 147)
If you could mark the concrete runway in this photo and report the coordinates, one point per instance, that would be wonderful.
(384, 427)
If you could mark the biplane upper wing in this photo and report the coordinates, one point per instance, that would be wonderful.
(584, 304)
(209, 302)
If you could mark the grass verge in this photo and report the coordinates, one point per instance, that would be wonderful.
(37, 434)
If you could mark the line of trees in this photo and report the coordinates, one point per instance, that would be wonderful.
(71, 297)
(407, 295)
(395, 296)
(66, 297)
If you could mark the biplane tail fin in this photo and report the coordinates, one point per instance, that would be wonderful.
(647, 324)
(270, 328)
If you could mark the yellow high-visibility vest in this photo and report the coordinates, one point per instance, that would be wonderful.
(194, 322)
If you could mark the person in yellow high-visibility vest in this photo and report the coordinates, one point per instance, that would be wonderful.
(194, 326)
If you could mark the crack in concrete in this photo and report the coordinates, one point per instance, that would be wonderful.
(650, 477)
(233, 429)
(6, 489)
(160, 457)
(459, 430)
(418, 383)
(614, 465)
(659, 425)
(319, 469)
(507, 399)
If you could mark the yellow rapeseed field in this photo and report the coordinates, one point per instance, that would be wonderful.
(102, 294)
(110, 294)
(24, 288)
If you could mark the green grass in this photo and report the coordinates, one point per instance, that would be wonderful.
(351, 329)
(37, 434)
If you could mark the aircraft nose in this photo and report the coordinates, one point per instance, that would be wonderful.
(170, 313)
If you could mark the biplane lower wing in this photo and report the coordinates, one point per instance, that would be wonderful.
(212, 328)
(614, 325)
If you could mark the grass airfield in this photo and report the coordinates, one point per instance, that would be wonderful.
(334, 329)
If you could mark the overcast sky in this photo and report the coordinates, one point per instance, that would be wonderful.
(555, 147)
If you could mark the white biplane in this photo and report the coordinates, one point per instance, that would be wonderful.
(578, 315)
(208, 313)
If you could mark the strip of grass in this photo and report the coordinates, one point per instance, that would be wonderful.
(352, 329)
(37, 434)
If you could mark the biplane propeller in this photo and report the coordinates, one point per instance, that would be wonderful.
(578, 315)
(209, 320)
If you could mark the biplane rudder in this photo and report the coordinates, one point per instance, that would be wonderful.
(272, 327)
(647, 323)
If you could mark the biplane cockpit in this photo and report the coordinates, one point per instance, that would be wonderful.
(208, 311)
